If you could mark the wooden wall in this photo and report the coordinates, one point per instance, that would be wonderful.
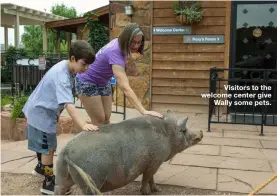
(180, 72)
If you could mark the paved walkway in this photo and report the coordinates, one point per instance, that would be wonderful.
(230, 158)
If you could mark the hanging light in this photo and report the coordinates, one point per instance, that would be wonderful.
(129, 9)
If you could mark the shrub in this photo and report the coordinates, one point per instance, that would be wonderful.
(17, 108)
(5, 100)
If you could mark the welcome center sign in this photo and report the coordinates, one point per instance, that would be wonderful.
(171, 30)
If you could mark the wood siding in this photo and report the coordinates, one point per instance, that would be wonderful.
(180, 72)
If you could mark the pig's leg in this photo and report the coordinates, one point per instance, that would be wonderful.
(64, 187)
(145, 183)
(63, 180)
(79, 180)
(153, 185)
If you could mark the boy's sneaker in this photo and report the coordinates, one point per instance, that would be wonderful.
(48, 186)
(39, 170)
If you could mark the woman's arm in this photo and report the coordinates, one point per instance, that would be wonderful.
(123, 83)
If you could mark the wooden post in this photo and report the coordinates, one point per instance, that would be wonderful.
(44, 38)
(227, 45)
(58, 42)
(16, 30)
(68, 40)
(6, 34)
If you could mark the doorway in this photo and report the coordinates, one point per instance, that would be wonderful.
(254, 46)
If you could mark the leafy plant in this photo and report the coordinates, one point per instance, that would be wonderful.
(6, 75)
(13, 53)
(190, 9)
(98, 34)
(18, 106)
(5, 100)
(10, 57)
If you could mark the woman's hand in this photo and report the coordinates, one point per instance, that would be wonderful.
(90, 127)
(153, 113)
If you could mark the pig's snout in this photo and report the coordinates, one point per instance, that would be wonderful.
(197, 138)
(201, 135)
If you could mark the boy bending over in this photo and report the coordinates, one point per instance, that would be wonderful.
(51, 96)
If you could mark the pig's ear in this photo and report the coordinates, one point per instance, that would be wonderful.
(170, 112)
(181, 123)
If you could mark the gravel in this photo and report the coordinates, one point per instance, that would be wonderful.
(26, 184)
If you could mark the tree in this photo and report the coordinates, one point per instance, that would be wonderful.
(62, 10)
(32, 36)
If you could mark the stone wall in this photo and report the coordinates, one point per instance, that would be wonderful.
(138, 69)
(15, 130)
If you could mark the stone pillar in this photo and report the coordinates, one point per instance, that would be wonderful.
(16, 30)
(140, 81)
(6, 34)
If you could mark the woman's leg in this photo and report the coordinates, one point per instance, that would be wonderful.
(91, 100)
(107, 105)
(107, 100)
(94, 108)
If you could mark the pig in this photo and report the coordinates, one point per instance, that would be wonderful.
(118, 153)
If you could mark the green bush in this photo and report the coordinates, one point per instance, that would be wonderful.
(17, 108)
(5, 100)
(98, 34)
(6, 75)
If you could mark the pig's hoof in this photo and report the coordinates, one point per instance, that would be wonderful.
(155, 189)
(145, 190)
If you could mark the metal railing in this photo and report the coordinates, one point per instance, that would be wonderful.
(243, 96)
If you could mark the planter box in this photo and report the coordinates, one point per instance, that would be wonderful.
(16, 130)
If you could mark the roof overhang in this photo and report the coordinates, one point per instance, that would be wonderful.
(27, 16)
(71, 24)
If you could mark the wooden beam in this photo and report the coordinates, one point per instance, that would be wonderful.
(21, 9)
(30, 11)
(67, 22)
(37, 18)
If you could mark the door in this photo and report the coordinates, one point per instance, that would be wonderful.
(254, 46)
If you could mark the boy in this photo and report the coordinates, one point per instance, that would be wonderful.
(51, 96)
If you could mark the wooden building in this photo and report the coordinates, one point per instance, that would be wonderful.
(178, 71)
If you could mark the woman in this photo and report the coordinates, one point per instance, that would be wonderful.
(93, 86)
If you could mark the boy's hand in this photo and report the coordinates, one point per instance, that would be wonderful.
(90, 127)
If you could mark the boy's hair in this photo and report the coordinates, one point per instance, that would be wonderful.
(81, 49)
(126, 36)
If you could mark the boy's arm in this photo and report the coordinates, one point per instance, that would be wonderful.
(64, 96)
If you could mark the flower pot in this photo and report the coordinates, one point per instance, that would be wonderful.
(182, 19)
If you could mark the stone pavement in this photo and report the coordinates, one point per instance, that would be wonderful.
(230, 158)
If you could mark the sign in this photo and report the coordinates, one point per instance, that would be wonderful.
(27, 62)
(42, 63)
(204, 39)
(171, 30)
(113, 80)
(257, 32)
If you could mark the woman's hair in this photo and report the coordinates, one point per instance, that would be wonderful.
(126, 36)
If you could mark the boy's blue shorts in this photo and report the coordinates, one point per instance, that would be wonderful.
(40, 141)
